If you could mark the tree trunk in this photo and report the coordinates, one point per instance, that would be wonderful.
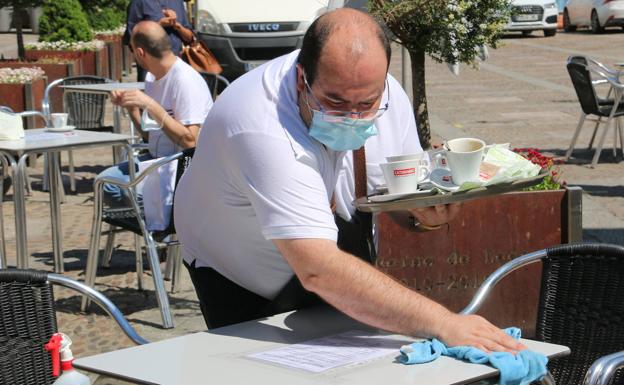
(420, 97)
(17, 20)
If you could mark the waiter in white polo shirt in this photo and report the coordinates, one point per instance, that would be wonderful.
(253, 211)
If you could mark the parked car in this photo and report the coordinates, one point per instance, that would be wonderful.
(596, 14)
(533, 15)
(243, 34)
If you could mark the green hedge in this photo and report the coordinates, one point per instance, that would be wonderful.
(64, 20)
(105, 14)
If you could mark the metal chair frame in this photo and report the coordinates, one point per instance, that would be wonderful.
(46, 108)
(214, 88)
(603, 369)
(604, 75)
(150, 243)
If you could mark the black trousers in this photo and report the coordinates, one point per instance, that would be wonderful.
(223, 302)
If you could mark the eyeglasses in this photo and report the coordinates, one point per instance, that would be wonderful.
(337, 115)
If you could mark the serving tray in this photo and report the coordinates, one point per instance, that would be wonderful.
(444, 197)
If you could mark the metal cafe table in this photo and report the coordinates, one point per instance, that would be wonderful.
(42, 141)
(232, 355)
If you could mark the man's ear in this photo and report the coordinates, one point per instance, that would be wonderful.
(300, 81)
(139, 52)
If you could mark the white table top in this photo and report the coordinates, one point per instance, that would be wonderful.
(41, 139)
(220, 357)
(105, 87)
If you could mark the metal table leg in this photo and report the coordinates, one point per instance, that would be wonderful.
(117, 151)
(55, 204)
(17, 170)
(3, 257)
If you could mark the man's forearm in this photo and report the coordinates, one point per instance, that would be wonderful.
(366, 294)
(135, 116)
(185, 34)
(179, 134)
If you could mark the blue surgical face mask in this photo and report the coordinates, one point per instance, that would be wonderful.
(342, 134)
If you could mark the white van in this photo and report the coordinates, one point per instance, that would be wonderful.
(243, 34)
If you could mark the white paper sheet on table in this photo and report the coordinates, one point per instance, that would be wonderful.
(325, 353)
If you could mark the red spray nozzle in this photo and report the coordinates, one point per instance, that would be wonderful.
(54, 347)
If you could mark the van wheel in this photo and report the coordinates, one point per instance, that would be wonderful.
(550, 32)
(567, 26)
(526, 33)
(595, 23)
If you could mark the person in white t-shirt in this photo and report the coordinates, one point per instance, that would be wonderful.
(253, 212)
(172, 109)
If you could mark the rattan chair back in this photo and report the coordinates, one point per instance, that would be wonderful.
(582, 307)
(86, 110)
(27, 321)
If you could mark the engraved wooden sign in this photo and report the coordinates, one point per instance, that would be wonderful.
(449, 264)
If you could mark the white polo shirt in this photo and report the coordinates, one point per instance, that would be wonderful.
(256, 175)
(397, 136)
(183, 93)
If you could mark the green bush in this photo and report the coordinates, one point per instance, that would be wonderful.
(64, 20)
(105, 15)
(104, 19)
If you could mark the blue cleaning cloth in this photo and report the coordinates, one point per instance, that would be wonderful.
(522, 368)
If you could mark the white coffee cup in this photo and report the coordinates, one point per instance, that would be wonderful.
(59, 119)
(404, 176)
(463, 158)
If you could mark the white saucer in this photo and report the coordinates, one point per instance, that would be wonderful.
(392, 197)
(61, 129)
(441, 178)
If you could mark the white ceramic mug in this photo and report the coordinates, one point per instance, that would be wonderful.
(462, 156)
(404, 176)
(59, 119)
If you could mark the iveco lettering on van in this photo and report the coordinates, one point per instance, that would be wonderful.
(243, 34)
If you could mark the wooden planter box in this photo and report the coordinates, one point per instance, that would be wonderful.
(53, 72)
(115, 55)
(24, 97)
(92, 62)
(448, 265)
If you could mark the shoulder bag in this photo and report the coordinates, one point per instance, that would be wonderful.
(199, 57)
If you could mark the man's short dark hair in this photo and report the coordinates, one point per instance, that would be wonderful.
(314, 40)
(156, 46)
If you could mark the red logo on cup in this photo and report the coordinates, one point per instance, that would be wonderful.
(404, 171)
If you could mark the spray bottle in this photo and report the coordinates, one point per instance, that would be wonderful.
(58, 346)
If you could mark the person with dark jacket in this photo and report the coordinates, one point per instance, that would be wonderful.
(170, 14)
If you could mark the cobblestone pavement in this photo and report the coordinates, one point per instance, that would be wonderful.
(522, 95)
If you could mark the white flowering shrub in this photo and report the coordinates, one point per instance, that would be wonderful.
(447, 30)
(93, 45)
(111, 32)
(20, 75)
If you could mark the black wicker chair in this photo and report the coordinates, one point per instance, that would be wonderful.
(581, 305)
(28, 320)
(581, 70)
(133, 219)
